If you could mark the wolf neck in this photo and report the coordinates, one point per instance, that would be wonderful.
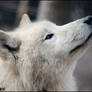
(68, 83)
(62, 82)
(51, 81)
(65, 83)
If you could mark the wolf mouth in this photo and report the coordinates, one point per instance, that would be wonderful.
(79, 46)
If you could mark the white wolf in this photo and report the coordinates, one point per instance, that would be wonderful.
(42, 56)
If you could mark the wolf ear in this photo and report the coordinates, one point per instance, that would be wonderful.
(25, 20)
(7, 45)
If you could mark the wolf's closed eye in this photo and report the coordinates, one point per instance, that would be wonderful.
(11, 49)
(49, 36)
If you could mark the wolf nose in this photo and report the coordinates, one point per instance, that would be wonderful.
(88, 20)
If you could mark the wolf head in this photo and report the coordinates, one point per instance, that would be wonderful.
(43, 55)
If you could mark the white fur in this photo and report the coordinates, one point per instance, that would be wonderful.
(42, 64)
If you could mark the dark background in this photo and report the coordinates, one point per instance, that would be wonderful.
(57, 11)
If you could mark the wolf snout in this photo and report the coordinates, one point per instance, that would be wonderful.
(88, 20)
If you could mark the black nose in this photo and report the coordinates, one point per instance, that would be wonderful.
(88, 20)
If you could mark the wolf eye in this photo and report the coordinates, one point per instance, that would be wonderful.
(11, 49)
(49, 36)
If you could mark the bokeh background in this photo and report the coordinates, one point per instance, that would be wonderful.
(57, 11)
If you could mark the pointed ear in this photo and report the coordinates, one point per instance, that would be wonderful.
(25, 20)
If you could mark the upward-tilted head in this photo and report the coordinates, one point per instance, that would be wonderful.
(42, 56)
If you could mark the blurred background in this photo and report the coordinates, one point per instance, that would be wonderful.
(57, 11)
